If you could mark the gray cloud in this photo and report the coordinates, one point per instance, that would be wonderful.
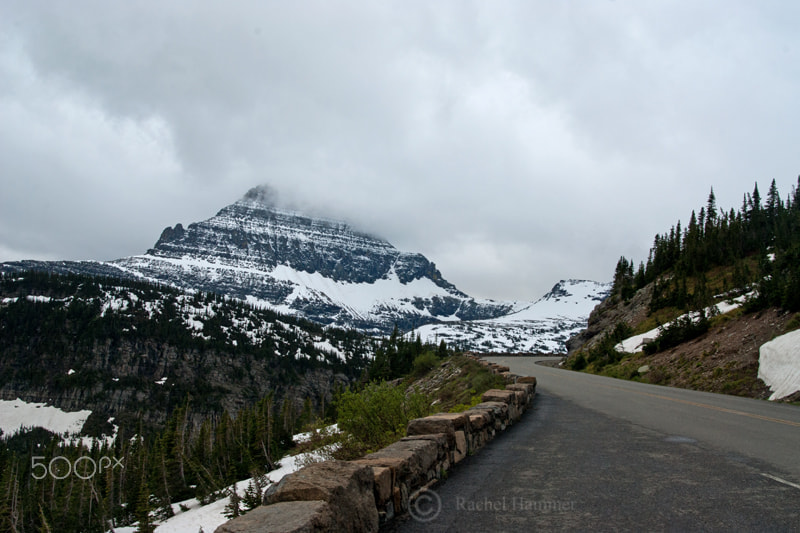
(514, 143)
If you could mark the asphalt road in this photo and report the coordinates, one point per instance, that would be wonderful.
(598, 454)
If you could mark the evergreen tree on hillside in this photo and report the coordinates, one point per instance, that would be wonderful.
(623, 278)
(143, 508)
(10, 501)
(716, 238)
(234, 506)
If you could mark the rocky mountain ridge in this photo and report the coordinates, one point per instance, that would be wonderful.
(260, 252)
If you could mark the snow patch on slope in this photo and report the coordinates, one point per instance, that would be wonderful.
(361, 299)
(17, 414)
(636, 343)
(208, 517)
(779, 365)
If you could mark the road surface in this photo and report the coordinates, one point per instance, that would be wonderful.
(599, 454)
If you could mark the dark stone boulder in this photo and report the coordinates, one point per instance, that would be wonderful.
(347, 487)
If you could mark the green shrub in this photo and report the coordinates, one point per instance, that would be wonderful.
(794, 323)
(461, 407)
(378, 415)
(577, 363)
(602, 353)
(484, 380)
(423, 363)
(680, 330)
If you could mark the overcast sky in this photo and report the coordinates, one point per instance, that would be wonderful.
(512, 143)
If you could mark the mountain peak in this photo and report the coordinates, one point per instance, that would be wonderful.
(577, 288)
(260, 196)
(261, 250)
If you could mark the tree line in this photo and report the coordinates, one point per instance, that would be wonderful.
(759, 244)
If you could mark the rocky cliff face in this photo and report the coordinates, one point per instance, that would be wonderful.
(256, 233)
(214, 381)
(605, 317)
(321, 269)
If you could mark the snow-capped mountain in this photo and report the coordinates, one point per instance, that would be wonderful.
(542, 326)
(326, 271)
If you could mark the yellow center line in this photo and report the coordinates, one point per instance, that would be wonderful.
(696, 404)
(707, 406)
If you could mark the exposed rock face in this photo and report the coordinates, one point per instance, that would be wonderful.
(254, 249)
(608, 314)
(159, 376)
(254, 232)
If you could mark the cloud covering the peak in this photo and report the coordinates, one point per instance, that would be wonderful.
(513, 143)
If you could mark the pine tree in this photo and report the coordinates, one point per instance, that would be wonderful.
(254, 492)
(756, 199)
(234, 507)
(10, 511)
(773, 204)
(265, 430)
(143, 508)
(441, 352)
(711, 207)
(379, 369)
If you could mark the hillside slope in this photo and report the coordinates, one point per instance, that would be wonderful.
(704, 303)
(133, 350)
(725, 359)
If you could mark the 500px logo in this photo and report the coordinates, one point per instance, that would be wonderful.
(61, 467)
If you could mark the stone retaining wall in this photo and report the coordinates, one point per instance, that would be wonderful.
(360, 495)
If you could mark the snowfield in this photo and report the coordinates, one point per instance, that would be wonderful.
(17, 414)
(362, 300)
(779, 365)
(543, 326)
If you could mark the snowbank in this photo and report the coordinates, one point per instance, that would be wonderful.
(636, 343)
(779, 365)
(327, 430)
(209, 517)
(16, 414)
